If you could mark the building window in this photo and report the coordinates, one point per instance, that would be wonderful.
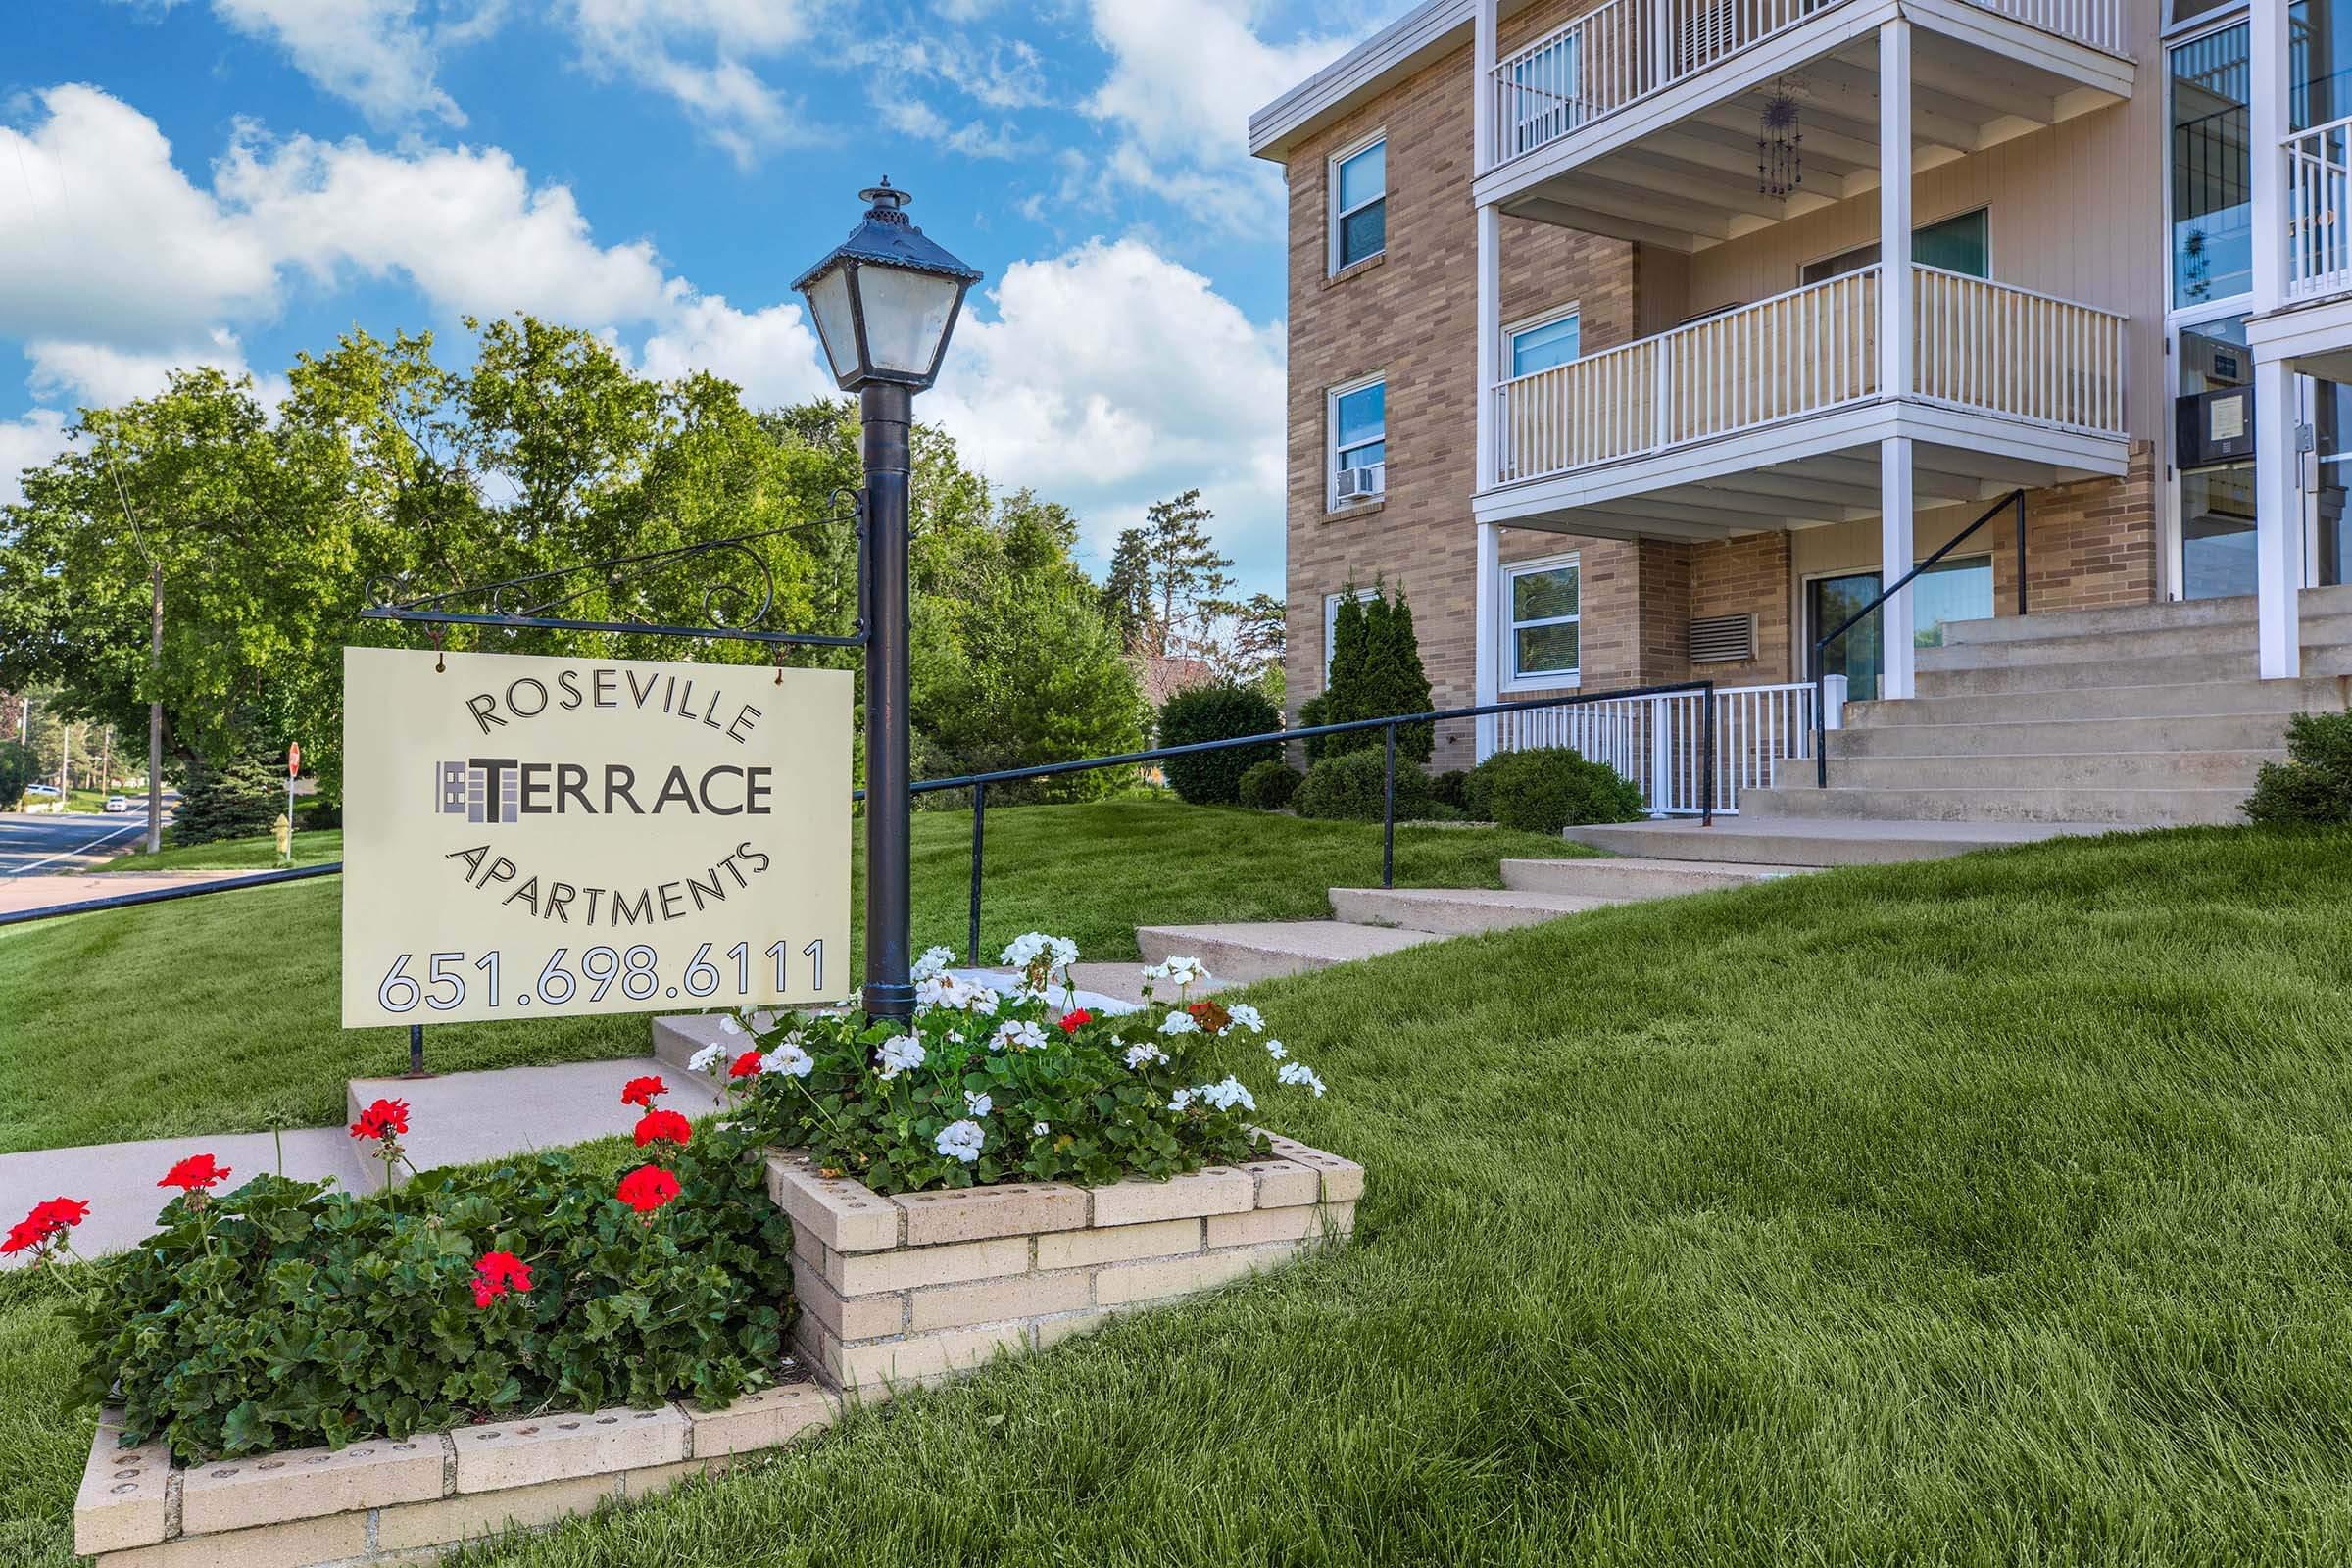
(1359, 445)
(1962, 244)
(1540, 605)
(1331, 622)
(1541, 343)
(1359, 204)
(2212, 172)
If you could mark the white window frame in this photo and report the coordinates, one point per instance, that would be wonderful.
(1331, 624)
(1511, 333)
(1507, 641)
(1332, 265)
(1331, 439)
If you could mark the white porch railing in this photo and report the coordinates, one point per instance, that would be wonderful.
(1626, 50)
(1655, 741)
(1978, 345)
(1797, 353)
(2010, 351)
(2319, 188)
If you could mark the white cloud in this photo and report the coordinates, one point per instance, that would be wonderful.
(1184, 78)
(97, 375)
(696, 52)
(377, 55)
(771, 354)
(104, 241)
(1110, 377)
(27, 443)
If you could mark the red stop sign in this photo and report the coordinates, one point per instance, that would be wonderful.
(294, 760)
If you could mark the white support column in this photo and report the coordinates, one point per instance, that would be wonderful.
(1482, 89)
(1895, 350)
(1487, 608)
(2277, 521)
(1896, 556)
(2267, 59)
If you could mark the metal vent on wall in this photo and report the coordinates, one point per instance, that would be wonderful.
(1722, 639)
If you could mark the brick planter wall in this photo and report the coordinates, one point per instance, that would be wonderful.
(915, 1288)
(891, 1290)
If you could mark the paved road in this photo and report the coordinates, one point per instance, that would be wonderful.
(30, 846)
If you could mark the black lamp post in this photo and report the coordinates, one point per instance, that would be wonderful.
(885, 302)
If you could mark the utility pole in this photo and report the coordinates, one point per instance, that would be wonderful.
(155, 714)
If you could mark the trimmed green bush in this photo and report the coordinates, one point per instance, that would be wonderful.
(2313, 787)
(1312, 713)
(1450, 789)
(1350, 789)
(1546, 789)
(1269, 785)
(1219, 713)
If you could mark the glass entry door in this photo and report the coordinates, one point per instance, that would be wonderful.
(1959, 589)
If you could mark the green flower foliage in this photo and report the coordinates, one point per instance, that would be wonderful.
(2313, 787)
(287, 1315)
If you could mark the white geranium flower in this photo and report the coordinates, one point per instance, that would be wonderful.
(934, 960)
(1060, 953)
(1245, 1016)
(707, 1059)
(1181, 1098)
(1180, 1023)
(1137, 1056)
(899, 1054)
(1229, 1093)
(1276, 1050)
(728, 1026)
(961, 1139)
(978, 1105)
(1300, 1074)
(1018, 1033)
(789, 1059)
(1038, 1129)
(1180, 972)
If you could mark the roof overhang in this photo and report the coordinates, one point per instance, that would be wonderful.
(1413, 41)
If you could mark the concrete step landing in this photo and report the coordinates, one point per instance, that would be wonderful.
(1457, 912)
(1265, 949)
(1809, 843)
(2116, 808)
(1630, 879)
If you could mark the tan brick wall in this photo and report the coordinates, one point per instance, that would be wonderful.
(2092, 544)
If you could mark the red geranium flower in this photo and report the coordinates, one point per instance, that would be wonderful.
(745, 1065)
(1211, 1015)
(648, 1188)
(1072, 1022)
(385, 1118)
(643, 1092)
(663, 1124)
(46, 1222)
(194, 1174)
(498, 1273)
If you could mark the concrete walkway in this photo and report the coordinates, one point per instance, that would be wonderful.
(41, 892)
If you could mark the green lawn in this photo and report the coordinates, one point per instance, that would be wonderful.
(218, 1014)
(1982, 1212)
(311, 848)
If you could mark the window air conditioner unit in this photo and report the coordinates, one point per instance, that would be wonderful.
(1361, 484)
(1707, 34)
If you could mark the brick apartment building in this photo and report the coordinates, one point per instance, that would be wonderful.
(1611, 345)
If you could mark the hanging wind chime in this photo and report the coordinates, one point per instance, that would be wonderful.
(1779, 144)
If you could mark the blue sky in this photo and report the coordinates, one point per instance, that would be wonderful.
(231, 180)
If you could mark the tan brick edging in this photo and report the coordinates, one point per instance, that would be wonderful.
(892, 1290)
(380, 1500)
(925, 1285)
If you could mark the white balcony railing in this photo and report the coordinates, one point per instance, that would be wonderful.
(1655, 741)
(1978, 345)
(2319, 184)
(1626, 50)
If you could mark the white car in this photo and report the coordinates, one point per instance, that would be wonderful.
(117, 803)
(40, 789)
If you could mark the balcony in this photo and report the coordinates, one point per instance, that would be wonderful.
(1638, 118)
(2318, 219)
(1758, 417)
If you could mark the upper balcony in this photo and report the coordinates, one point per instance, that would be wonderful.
(1769, 416)
(1640, 117)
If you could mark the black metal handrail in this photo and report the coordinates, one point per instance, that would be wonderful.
(978, 784)
(2015, 499)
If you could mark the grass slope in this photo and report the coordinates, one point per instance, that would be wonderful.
(311, 847)
(1988, 1211)
(219, 1013)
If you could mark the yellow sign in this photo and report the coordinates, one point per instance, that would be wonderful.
(527, 836)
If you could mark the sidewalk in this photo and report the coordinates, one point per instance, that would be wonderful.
(41, 892)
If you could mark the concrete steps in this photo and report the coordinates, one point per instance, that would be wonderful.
(2180, 699)
(1639, 878)
(2116, 809)
(2198, 637)
(1266, 950)
(1458, 911)
(2084, 768)
(2182, 732)
(2315, 603)
(1810, 844)
(2159, 669)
